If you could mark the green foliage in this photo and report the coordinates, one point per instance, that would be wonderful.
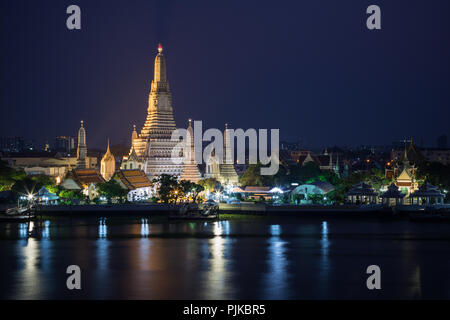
(296, 198)
(252, 176)
(307, 173)
(210, 184)
(168, 188)
(26, 186)
(111, 189)
(9, 176)
(437, 174)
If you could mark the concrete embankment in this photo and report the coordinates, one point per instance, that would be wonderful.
(107, 210)
(244, 208)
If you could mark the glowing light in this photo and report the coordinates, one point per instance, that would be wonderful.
(275, 230)
(276, 190)
(160, 48)
(102, 228)
(145, 231)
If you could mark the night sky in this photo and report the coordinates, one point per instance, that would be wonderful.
(308, 67)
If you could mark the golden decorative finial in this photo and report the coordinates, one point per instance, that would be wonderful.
(82, 123)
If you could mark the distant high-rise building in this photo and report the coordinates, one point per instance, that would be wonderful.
(64, 144)
(81, 149)
(12, 144)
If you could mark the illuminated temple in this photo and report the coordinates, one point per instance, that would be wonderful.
(153, 145)
(190, 170)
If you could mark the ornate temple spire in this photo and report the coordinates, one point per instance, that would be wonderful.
(190, 170)
(108, 164)
(160, 66)
(153, 146)
(81, 148)
(228, 173)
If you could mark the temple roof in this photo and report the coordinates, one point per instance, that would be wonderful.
(133, 179)
(392, 192)
(84, 177)
(361, 189)
(108, 155)
(427, 190)
(253, 189)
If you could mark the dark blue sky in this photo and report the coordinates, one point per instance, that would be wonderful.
(308, 67)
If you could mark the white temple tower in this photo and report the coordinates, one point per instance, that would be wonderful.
(190, 170)
(81, 148)
(154, 145)
(228, 173)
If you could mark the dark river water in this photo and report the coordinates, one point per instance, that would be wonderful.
(261, 258)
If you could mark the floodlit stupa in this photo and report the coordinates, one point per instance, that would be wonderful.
(81, 148)
(190, 169)
(153, 145)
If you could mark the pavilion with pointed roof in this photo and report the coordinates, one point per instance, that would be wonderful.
(427, 194)
(393, 196)
(361, 193)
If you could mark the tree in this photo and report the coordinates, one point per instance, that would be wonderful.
(188, 187)
(26, 186)
(168, 188)
(252, 176)
(111, 189)
(9, 176)
(210, 184)
(437, 174)
(68, 196)
(307, 173)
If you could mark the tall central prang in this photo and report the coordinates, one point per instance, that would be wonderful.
(153, 145)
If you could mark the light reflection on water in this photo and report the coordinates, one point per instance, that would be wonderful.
(216, 260)
(276, 277)
(217, 249)
(324, 264)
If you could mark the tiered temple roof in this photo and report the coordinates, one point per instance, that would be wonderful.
(133, 179)
(427, 190)
(392, 192)
(82, 178)
(361, 189)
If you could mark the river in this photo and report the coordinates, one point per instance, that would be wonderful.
(240, 258)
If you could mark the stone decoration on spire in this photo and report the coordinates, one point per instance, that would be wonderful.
(81, 148)
(190, 170)
(154, 146)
